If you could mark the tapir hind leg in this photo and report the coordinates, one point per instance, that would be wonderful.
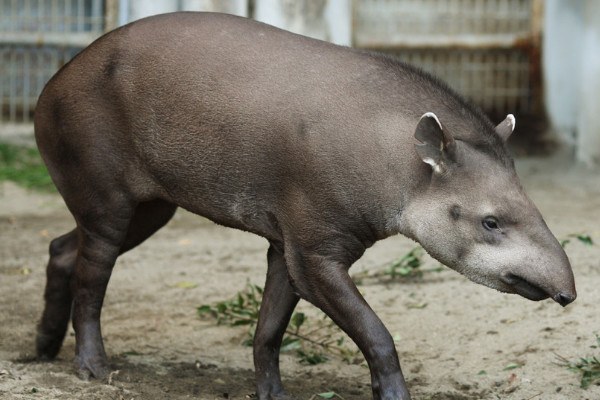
(277, 306)
(57, 296)
(147, 219)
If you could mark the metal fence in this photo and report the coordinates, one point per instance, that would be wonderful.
(37, 37)
(489, 50)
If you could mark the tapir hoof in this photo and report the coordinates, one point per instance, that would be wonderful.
(47, 345)
(277, 395)
(87, 369)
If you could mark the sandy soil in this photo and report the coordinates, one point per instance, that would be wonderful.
(163, 350)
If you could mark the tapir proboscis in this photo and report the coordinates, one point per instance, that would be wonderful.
(322, 150)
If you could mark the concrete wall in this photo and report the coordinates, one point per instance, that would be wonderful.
(130, 10)
(588, 124)
(329, 20)
(571, 64)
(323, 19)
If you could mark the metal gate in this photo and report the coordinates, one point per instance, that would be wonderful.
(37, 37)
(489, 50)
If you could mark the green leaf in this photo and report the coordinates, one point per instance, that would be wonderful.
(311, 357)
(511, 366)
(221, 307)
(298, 319)
(204, 309)
(289, 344)
(585, 239)
(132, 353)
(327, 395)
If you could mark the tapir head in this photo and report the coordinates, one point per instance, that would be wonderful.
(474, 216)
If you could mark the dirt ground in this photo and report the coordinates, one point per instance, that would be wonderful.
(161, 349)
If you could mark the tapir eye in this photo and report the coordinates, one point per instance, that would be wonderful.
(491, 224)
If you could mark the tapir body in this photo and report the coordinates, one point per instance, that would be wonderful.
(321, 149)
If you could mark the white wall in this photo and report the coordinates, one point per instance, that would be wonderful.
(322, 19)
(560, 60)
(588, 124)
(236, 7)
(571, 65)
(130, 10)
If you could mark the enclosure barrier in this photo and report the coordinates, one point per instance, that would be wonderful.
(489, 50)
(486, 49)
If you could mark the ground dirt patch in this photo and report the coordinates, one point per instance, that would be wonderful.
(455, 348)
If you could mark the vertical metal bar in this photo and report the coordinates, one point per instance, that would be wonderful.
(80, 16)
(67, 16)
(3, 79)
(97, 17)
(112, 16)
(26, 84)
(41, 16)
(39, 71)
(54, 16)
(12, 112)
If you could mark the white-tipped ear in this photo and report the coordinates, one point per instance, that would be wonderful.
(506, 127)
(437, 146)
(432, 115)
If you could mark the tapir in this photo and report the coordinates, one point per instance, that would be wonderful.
(321, 149)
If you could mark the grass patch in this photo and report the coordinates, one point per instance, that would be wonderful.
(24, 166)
(312, 340)
(585, 239)
(587, 367)
(408, 266)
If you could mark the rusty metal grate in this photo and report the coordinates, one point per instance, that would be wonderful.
(437, 23)
(58, 22)
(486, 49)
(25, 71)
(497, 80)
(37, 37)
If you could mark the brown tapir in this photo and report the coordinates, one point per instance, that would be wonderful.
(321, 149)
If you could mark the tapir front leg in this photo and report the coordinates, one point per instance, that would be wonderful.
(276, 309)
(324, 281)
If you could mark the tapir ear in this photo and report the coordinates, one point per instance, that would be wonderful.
(437, 146)
(506, 127)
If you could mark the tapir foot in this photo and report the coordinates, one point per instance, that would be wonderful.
(47, 346)
(49, 339)
(275, 396)
(92, 368)
(272, 391)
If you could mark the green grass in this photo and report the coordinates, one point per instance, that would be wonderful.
(588, 368)
(312, 340)
(24, 166)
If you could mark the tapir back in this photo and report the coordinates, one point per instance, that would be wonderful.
(215, 113)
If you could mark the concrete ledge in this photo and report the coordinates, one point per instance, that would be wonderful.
(21, 134)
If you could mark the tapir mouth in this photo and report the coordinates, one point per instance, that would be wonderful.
(525, 288)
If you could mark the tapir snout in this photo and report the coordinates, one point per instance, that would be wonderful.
(555, 281)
